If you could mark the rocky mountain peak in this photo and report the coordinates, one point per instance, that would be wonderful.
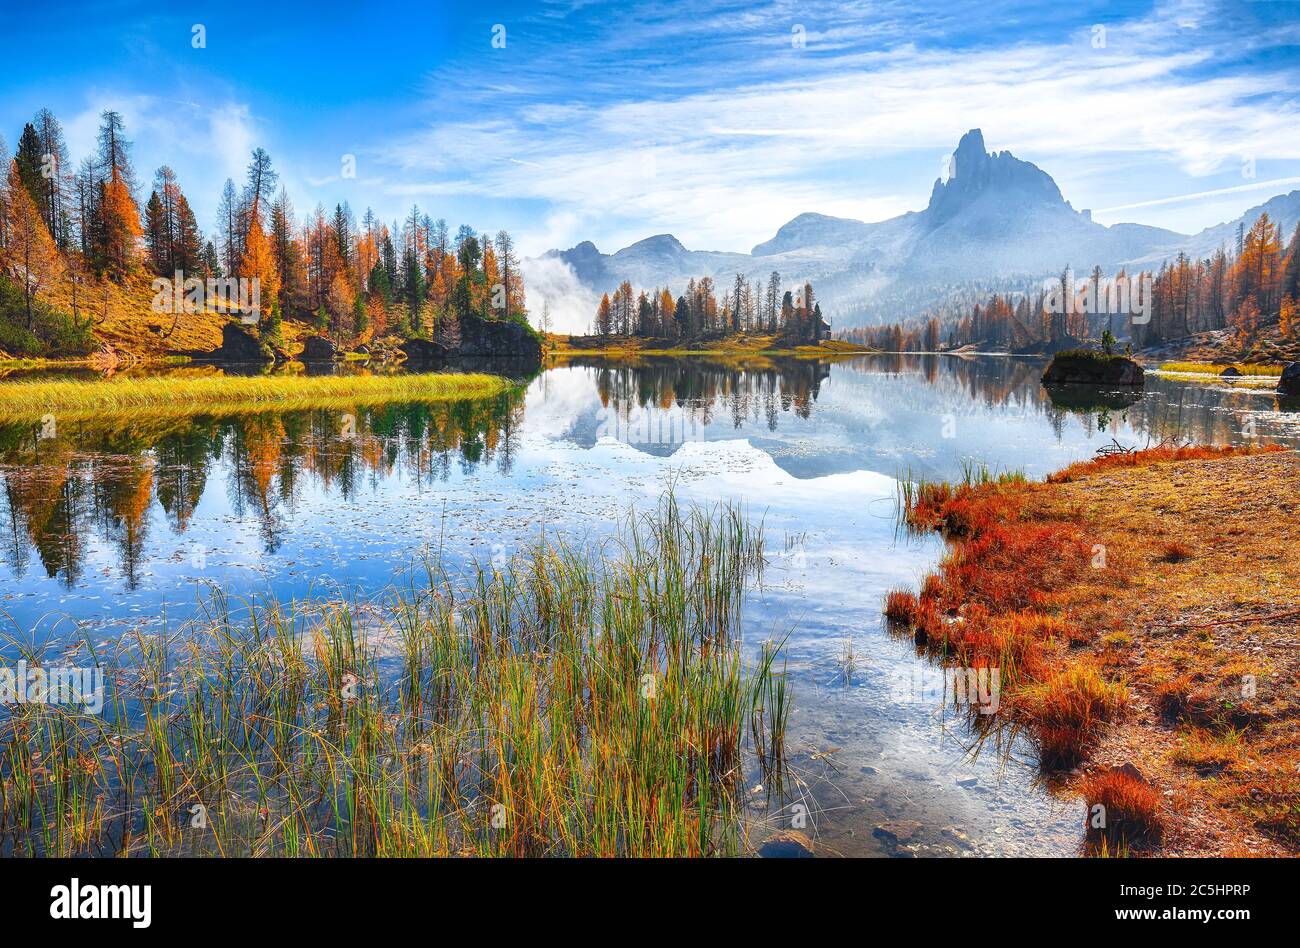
(975, 172)
(658, 244)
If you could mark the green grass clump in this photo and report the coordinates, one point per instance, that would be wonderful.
(978, 474)
(574, 702)
(187, 393)
(1077, 356)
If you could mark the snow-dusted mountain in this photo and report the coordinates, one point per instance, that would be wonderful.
(656, 261)
(995, 218)
(1284, 209)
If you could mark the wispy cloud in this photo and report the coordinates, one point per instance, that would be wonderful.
(723, 165)
(716, 120)
(203, 143)
(1274, 184)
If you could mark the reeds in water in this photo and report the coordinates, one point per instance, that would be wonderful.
(571, 703)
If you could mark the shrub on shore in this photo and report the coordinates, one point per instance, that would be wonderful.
(51, 331)
(1158, 455)
(1123, 811)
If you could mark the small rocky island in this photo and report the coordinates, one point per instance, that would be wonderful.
(1289, 383)
(1090, 367)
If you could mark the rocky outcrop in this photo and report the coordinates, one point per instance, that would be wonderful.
(424, 352)
(473, 344)
(319, 349)
(238, 344)
(1289, 383)
(1086, 367)
(498, 338)
(974, 172)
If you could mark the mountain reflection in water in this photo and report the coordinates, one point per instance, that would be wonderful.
(107, 484)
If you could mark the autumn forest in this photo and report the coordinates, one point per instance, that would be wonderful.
(69, 236)
(1253, 285)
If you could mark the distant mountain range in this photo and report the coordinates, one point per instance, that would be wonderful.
(995, 219)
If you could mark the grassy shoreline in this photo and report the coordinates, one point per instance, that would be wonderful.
(732, 346)
(8, 364)
(801, 352)
(1248, 374)
(192, 394)
(1137, 615)
(1208, 368)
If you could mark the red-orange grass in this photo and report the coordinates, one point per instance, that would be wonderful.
(1132, 808)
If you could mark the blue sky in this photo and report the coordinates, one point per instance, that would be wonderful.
(715, 121)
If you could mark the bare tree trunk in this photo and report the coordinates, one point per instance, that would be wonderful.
(27, 280)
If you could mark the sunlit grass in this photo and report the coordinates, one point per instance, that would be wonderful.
(1210, 751)
(924, 506)
(1206, 368)
(1049, 583)
(989, 605)
(1067, 707)
(1157, 455)
(191, 393)
(900, 605)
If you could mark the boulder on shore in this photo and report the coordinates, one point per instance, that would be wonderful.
(238, 344)
(497, 337)
(319, 349)
(1086, 367)
(1289, 383)
(424, 352)
(476, 338)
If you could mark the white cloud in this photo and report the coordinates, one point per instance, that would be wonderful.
(203, 144)
(552, 283)
(1274, 185)
(722, 169)
(697, 118)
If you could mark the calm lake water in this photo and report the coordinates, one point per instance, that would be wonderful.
(114, 525)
